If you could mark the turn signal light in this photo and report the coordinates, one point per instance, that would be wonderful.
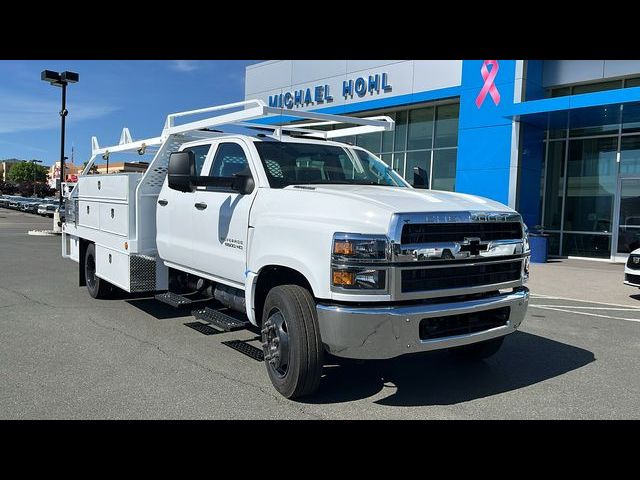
(341, 277)
(342, 247)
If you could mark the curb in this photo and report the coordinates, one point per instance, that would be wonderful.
(44, 233)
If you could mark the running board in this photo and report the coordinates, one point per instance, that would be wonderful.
(219, 320)
(179, 301)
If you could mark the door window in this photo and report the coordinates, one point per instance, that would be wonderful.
(229, 160)
(200, 152)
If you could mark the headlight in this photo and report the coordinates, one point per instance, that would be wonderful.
(526, 238)
(356, 262)
(359, 278)
(356, 247)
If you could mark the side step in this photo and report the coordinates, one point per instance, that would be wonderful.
(219, 320)
(179, 301)
(173, 299)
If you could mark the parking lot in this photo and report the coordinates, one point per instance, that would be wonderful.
(65, 355)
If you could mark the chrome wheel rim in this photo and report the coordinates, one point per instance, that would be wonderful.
(275, 343)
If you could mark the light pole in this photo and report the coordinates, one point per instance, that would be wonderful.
(33, 162)
(61, 80)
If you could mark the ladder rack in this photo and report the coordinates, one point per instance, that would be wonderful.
(245, 114)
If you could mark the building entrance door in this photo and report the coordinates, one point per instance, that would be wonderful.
(628, 218)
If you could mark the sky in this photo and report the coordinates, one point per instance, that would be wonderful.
(110, 95)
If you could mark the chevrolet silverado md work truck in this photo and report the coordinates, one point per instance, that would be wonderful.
(317, 243)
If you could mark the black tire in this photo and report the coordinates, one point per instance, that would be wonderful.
(478, 351)
(297, 373)
(97, 287)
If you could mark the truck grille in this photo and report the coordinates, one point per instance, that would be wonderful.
(457, 232)
(635, 279)
(463, 324)
(450, 276)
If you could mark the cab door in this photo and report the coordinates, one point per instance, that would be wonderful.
(174, 217)
(221, 217)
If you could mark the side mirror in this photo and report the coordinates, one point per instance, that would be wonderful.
(420, 178)
(243, 182)
(182, 171)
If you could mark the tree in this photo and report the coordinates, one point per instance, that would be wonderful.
(26, 189)
(25, 171)
(93, 169)
(7, 188)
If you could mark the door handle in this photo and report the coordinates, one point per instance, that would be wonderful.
(162, 203)
(200, 205)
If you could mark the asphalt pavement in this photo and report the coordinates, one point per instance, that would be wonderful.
(64, 355)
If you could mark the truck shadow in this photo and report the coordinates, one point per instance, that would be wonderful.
(437, 378)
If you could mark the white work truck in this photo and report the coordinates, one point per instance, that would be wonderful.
(318, 244)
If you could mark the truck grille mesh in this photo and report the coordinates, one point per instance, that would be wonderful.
(463, 324)
(460, 277)
(457, 232)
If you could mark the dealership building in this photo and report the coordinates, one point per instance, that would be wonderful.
(558, 140)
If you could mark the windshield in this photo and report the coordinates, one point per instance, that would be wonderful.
(289, 163)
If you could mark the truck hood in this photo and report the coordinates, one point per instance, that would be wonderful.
(406, 200)
(357, 208)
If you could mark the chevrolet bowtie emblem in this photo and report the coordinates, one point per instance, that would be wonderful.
(473, 246)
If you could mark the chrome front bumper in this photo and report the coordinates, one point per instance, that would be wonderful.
(386, 332)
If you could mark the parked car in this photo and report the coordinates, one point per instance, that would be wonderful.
(50, 210)
(30, 207)
(632, 269)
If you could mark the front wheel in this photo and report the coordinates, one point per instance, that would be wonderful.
(478, 351)
(96, 286)
(291, 341)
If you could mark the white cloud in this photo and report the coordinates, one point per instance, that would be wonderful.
(23, 112)
(185, 65)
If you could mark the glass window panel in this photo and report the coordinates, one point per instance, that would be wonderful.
(444, 169)
(447, 125)
(370, 141)
(591, 185)
(629, 228)
(553, 243)
(229, 160)
(420, 128)
(597, 87)
(401, 131)
(631, 118)
(387, 158)
(630, 156)
(632, 82)
(387, 137)
(558, 133)
(554, 190)
(597, 130)
(418, 159)
(594, 121)
(586, 245)
(398, 163)
(560, 92)
(200, 153)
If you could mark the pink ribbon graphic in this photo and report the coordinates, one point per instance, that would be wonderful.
(489, 86)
